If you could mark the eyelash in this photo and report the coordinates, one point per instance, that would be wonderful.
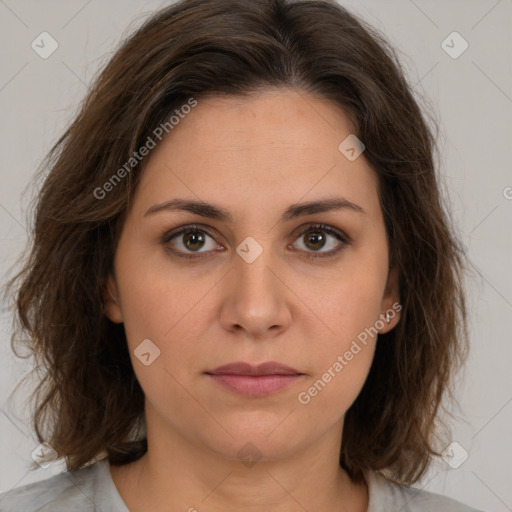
(340, 236)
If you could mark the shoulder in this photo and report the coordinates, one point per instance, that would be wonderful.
(71, 490)
(385, 496)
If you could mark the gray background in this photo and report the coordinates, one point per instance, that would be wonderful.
(472, 96)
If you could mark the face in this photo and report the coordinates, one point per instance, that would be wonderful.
(267, 282)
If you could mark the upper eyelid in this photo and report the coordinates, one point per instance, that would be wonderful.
(299, 231)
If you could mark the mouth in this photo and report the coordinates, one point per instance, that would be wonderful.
(255, 380)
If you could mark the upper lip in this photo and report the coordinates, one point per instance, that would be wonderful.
(242, 368)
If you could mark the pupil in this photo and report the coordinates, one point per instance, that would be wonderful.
(192, 238)
(316, 237)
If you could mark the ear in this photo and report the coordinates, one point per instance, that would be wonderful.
(390, 304)
(111, 304)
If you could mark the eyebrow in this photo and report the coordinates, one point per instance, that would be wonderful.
(217, 213)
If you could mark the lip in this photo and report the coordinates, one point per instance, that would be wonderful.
(242, 368)
(255, 380)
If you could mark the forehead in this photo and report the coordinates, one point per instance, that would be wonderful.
(277, 146)
(268, 119)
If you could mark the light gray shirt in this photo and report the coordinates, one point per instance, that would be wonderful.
(91, 489)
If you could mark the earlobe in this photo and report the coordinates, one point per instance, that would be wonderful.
(111, 304)
(389, 318)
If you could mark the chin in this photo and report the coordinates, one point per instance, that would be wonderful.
(261, 437)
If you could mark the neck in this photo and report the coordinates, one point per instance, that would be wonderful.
(176, 474)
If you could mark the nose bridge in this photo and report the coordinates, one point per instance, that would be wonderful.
(252, 268)
(257, 300)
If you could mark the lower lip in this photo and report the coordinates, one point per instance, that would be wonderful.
(255, 385)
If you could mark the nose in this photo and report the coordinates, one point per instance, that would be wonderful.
(255, 297)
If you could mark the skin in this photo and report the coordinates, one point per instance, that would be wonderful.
(254, 157)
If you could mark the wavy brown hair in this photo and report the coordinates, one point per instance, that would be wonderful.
(89, 402)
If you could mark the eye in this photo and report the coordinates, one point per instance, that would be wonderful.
(189, 240)
(194, 240)
(316, 237)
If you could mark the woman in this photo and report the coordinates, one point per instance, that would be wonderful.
(243, 288)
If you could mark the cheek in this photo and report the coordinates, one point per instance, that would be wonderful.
(332, 391)
(156, 298)
(170, 310)
(342, 366)
(172, 322)
(154, 311)
(343, 358)
(346, 300)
